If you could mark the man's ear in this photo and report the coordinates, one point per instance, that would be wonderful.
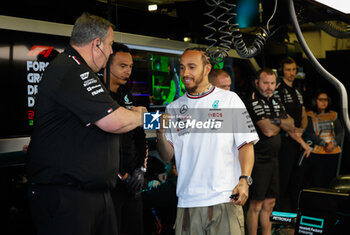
(256, 82)
(207, 69)
(96, 42)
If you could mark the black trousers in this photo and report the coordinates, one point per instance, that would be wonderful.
(129, 211)
(291, 175)
(69, 210)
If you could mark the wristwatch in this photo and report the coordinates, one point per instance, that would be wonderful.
(247, 178)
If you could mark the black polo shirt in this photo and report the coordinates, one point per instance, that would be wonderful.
(132, 143)
(260, 108)
(292, 100)
(66, 146)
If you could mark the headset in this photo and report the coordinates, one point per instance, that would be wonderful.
(108, 67)
(98, 46)
(286, 60)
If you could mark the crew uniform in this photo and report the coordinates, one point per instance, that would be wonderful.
(290, 151)
(265, 171)
(207, 159)
(133, 155)
(72, 163)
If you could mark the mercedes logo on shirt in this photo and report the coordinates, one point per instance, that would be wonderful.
(183, 109)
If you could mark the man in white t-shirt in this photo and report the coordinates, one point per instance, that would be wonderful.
(211, 135)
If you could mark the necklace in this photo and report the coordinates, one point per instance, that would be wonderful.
(203, 92)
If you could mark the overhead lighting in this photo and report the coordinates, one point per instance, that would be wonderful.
(187, 39)
(152, 7)
(342, 6)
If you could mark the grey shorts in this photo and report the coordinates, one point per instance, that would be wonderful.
(226, 218)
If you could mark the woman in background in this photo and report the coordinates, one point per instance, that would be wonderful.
(326, 133)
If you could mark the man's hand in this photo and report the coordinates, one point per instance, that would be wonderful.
(134, 182)
(307, 149)
(330, 147)
(139, 109)
(164, 119)
(164, 148)
(242, 189)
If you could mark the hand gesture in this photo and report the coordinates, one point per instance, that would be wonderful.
(164, 121)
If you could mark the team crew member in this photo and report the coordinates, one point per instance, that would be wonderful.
(73, 154)
(212, 165)
(269, 117)
(220, 78)
(133, 148)
(326, 133)
(291, 175)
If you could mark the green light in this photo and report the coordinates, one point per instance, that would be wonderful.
(219, 65)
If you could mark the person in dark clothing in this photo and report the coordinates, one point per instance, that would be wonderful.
(325, 132)
(73, 153)
(160, 203)
(291, 175)
(269, 117)
(133, 148)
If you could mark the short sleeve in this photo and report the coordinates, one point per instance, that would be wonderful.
(82, 92)
(243, 128)
(256, 110)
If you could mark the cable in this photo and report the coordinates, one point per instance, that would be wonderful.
(324, 73)
(229, 33)
(212, 51)
(273, 14)
(334, 30)
(258, 43)
(108, 68)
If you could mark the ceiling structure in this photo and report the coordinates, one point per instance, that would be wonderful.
(174, 19)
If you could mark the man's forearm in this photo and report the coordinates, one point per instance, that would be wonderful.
(120, 121)
(267, 127)
(287, 124)
(246, 159)
(304, 120)
(164, 148)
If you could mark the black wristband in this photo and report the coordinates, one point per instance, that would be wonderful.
(276, 121)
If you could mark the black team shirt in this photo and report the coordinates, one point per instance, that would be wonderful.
(133, 143)
(292, 100)
(260, 108)
(66, 146)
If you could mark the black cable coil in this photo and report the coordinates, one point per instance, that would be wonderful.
(228, 33)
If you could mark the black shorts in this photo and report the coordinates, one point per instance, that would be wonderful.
(265, 179)
(61, 210)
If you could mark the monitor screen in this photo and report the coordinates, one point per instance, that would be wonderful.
(23, 58)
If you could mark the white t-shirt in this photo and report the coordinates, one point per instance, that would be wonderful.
(206, 154)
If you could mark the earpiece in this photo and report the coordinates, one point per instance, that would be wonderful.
(98, 42)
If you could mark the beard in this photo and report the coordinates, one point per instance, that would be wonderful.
(197, 82)
(265, 93)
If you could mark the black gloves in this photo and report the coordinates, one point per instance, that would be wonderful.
(134, 182)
